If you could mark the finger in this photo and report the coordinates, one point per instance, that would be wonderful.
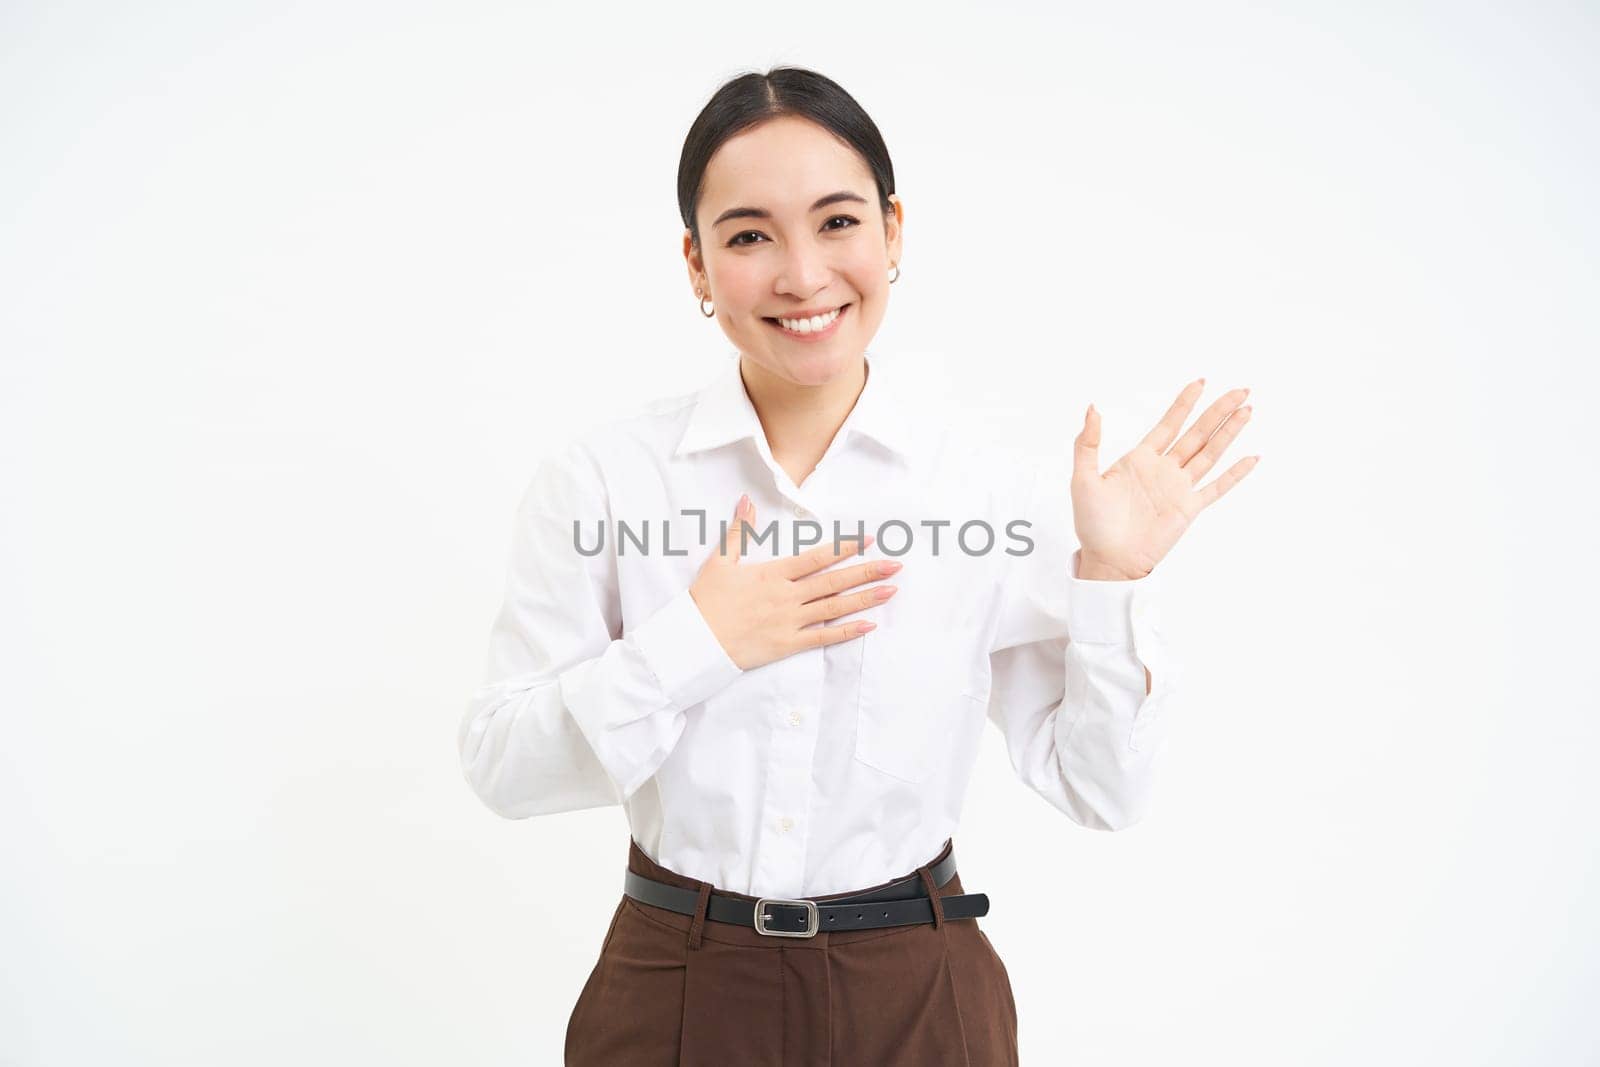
(1225, 481)
(823, 555)
(1164, 432)
(1207, 457)
(835, 607)
(1206, 425)
(817, 636)
(1086, 447)
(733, 541)
(829, 583)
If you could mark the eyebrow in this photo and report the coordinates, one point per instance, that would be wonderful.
(762, 213)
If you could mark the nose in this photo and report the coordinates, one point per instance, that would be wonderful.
(805, 270)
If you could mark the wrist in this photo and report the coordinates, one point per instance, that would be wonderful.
(1094, 569)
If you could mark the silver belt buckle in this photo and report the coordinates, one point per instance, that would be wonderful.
(761, 917)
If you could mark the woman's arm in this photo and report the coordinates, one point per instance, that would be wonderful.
(1081, 684)
(573, 713)
(1089, 747)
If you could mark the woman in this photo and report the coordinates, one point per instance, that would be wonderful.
(790, 736)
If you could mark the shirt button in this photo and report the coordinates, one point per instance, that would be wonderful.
(801, 511)
(796, 718)
(786, 824)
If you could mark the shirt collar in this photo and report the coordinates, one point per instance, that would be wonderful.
(723, 412)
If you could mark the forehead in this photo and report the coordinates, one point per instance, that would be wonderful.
(782, 165)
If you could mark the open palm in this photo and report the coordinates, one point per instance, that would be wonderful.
(1128, 518)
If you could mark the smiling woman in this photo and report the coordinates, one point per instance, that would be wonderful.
(791, 738)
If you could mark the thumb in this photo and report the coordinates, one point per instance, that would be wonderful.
(743, 512)
(1086, 447)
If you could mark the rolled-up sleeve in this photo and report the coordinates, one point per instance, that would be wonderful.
(1067, 665)
(572, 712)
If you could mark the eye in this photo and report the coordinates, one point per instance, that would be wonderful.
(736, 240)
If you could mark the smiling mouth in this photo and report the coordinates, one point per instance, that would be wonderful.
(824, 331)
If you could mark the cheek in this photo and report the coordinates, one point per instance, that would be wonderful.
(869, 274)
(736, 284)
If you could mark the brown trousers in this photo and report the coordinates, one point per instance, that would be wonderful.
(687, 990)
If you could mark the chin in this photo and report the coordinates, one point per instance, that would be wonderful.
(820, 369)
(802, 369)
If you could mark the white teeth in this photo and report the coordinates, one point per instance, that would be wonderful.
(811, 325)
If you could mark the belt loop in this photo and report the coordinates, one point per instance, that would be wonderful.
(699, 923)
(933, 895)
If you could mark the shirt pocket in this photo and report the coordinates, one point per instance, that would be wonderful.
(915, 702)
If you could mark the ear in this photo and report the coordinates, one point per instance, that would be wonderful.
(894, 225)
(694, 262)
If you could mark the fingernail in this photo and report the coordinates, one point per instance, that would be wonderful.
(744, 502)
(884, 592)
(890, 567)
(863, 627)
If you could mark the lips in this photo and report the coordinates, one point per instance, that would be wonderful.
(827, 331)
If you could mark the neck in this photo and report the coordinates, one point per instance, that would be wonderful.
(800, 420)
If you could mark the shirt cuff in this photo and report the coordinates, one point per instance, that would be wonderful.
(687, 660)
(1106, 612)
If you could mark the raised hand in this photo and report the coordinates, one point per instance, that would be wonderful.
(1128, 518)
(762, 612)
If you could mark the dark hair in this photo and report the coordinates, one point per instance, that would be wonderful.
(753, 98)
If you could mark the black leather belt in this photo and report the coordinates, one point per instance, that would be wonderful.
(900, 903)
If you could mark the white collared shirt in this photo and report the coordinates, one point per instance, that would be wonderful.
(837, 767)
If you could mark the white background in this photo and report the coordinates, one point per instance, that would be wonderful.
(295, 295)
